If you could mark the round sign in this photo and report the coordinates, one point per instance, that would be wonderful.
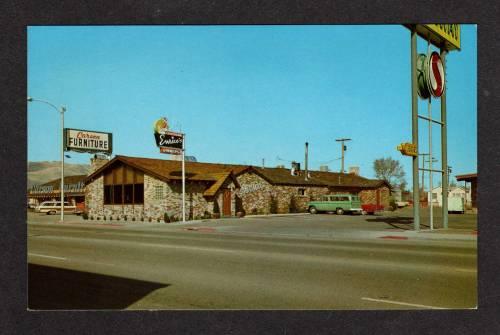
(435, 75)
(422, 89)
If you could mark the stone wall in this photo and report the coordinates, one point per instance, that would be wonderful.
(370, 196)
(255, 193)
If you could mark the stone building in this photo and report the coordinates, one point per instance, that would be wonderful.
(260, 187)
(143, 188)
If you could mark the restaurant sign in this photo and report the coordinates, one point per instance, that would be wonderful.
(87, 141)
(169, 142)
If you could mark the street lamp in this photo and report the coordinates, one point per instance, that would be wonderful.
(61, 111)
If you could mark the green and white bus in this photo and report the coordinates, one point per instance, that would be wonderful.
(338, 203)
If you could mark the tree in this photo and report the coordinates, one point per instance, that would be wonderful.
(390, 170)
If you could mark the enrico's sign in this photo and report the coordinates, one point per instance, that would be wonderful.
(87, 141)
(169, 142)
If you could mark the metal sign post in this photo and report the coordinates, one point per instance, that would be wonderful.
(444, 148)
(414, 123)
(183, 178)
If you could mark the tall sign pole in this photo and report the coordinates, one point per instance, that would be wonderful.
(183, 178)
(414, 133)
(62, 163)
(444, 148)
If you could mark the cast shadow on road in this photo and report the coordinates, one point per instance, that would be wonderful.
(52, 288)
(396, 222)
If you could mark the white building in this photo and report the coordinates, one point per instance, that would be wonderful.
(454, 192)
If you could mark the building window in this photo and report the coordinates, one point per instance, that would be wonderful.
(138, 193)
(434, 196)
(123, 186)
(159, 194)
(302, 191)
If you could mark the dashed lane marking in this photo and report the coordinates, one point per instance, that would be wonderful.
(46, 256)
(402, 303)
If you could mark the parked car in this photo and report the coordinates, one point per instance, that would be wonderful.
(402, 204)
(338, 203)
(54, 207)
(371, 208)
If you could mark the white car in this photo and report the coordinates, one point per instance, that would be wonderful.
(54, 207)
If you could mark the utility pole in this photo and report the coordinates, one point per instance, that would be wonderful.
(343, 147)
(306, 159)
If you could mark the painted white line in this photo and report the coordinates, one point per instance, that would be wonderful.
(402, 303)
(467, 270)
(46, 256)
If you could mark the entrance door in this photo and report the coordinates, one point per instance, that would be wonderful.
(226, 203)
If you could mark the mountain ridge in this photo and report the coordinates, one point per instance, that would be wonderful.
(41, 172)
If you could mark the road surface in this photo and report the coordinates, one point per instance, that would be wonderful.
(112, 267)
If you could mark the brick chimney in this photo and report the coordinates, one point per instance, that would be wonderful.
(97, 161)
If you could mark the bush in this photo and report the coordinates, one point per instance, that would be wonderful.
(125, 217)
(85, 215)
(104, 217)
(392, 204)
(166, 218)
(254, 211)
(158, 220)
(206, 215)
(149, 219)
(142, 218)
(216, 207)
(91, 217)
(133, 218)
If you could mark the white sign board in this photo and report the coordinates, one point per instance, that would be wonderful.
(87, 141)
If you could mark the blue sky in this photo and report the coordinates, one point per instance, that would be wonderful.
(244, 93)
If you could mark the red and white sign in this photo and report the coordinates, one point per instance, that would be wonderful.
(436, 75)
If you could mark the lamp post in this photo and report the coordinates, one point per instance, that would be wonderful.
(61, 111)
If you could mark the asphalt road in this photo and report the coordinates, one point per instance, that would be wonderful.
(113, 267)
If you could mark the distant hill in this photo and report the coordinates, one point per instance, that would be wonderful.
(43, 172)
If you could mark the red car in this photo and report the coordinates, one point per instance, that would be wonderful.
(371, 208)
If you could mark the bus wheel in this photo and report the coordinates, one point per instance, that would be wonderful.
(340, 211)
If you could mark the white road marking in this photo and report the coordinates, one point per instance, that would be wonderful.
(466, 270)
(402, 303)
(47, 256)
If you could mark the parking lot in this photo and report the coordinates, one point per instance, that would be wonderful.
(300, 225)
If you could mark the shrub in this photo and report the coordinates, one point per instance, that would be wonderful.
(216, 207)
(142, 218)
(91, 217)
(149, 219)
(133, 218)
(85, 215)
(166, 218)
(125, 217)
(254, 211)
(104, 217)
(158, 220)
(392, 204)
(206, 215)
